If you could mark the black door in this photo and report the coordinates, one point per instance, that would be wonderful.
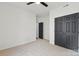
(71, 32)
(59, 32)
(68, 32)
(41, 30)
(74, 32)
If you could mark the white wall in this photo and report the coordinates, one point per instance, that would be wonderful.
(45, 21)
(37, 28)
(61, 11)
(17, 26)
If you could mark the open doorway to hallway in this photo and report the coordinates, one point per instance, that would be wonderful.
(42, 27)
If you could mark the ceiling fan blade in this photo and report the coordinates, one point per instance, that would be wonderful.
(43, 3)
(30, 3)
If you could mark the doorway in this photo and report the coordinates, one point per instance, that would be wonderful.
(41, 30)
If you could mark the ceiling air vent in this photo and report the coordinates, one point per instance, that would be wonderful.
(66, 5)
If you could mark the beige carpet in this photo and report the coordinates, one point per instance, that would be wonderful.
(38, 48)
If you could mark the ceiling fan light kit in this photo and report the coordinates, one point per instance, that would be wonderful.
(37, 2)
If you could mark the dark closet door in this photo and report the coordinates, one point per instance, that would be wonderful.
(59, 32)
(71, 32)
(66, 31)
(74, 32)
(41, 30)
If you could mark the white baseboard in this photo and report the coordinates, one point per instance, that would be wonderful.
(21, 43)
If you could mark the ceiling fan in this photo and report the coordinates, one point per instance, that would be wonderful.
(43, 3)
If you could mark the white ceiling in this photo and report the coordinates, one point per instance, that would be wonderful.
(40, 10)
